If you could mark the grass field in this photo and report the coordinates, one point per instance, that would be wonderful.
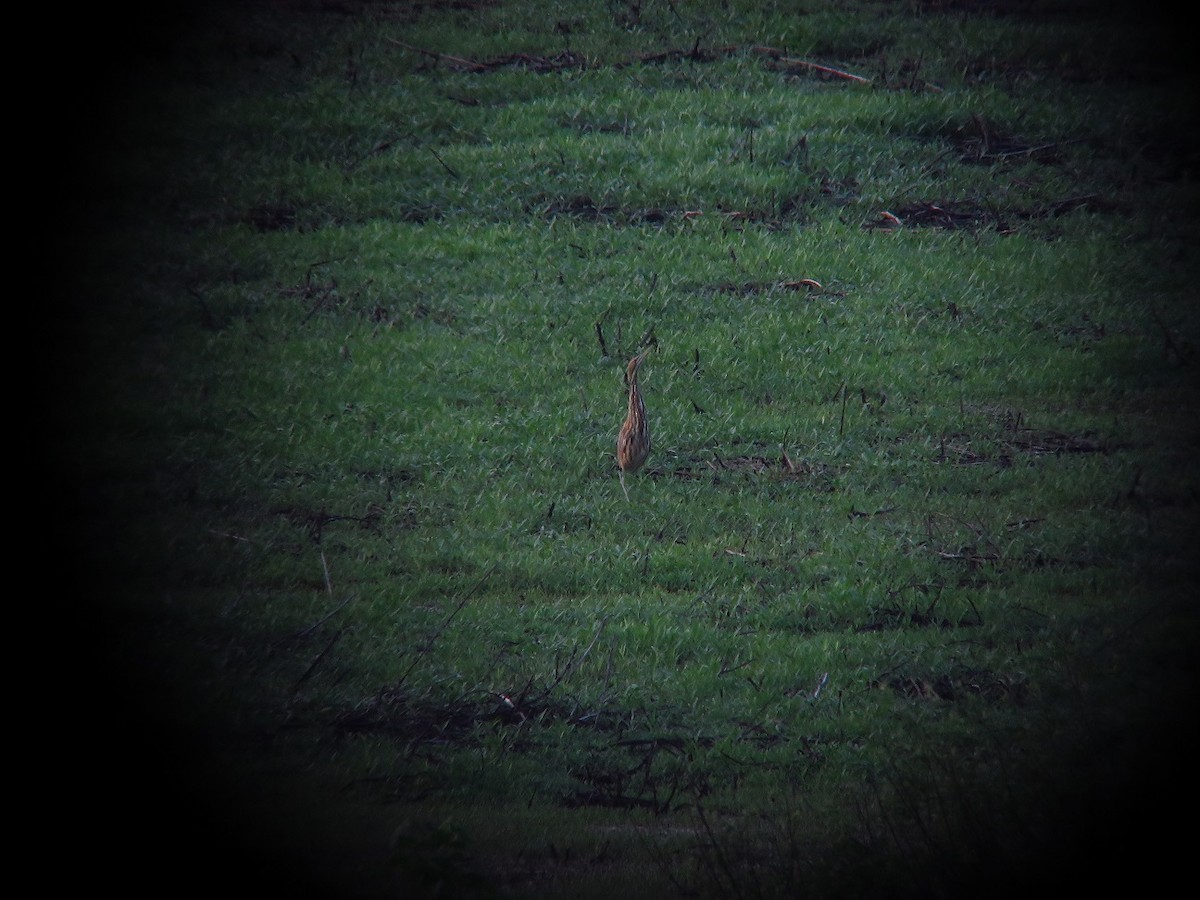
(900, 604)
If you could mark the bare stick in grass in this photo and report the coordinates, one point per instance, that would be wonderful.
(325, 570)
(574, 662)
(453, 174)
(321, 621)
(600, 332)
(820, 684)
(457, 60)
(715, 859)
(427, 647)
(230, 535)
(320, 657)
(374, 151)
(778, 56)
(325, 618)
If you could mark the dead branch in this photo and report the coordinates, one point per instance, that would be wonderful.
(453, 174)
(824, 70)
(374, 151)
(427, 647)
(574, 663)
(457, 60)
(974, 558)
(820, 684)
(325, 569)
(600, 338)
(319, 658)
(321, 621)
(779, 57)
(230, 535)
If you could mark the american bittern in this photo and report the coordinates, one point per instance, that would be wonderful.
(633, 441)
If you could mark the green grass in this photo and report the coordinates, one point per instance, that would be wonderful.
(903, 591)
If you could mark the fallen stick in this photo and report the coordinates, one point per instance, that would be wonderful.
(319, 658)
(778, 56)
(378, 148)
(824, 70)
(458, 60)
(820, 684)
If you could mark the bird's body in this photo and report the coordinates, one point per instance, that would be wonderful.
(633, 441)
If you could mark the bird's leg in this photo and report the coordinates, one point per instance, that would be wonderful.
(621, 475)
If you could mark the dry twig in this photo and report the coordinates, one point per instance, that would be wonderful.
(457, 60)
(779, 57)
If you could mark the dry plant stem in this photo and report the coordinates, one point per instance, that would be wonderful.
(325, 618)
(600, 337)
(824, 70)
(374, 151)
(694, 53)
(325, 570)
(575, 662)
(779, 56)
(312, 667)
(458, 60)
(230, 535)
(428, 645)
(321, 621)
(453, 174)
(820, 684)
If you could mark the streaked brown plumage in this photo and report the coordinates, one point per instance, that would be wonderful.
(633, 441)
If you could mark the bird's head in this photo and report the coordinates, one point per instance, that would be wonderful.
(631, 370)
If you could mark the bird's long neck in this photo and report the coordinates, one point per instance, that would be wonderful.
(637, 408)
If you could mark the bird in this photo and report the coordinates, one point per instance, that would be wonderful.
(633, 441)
